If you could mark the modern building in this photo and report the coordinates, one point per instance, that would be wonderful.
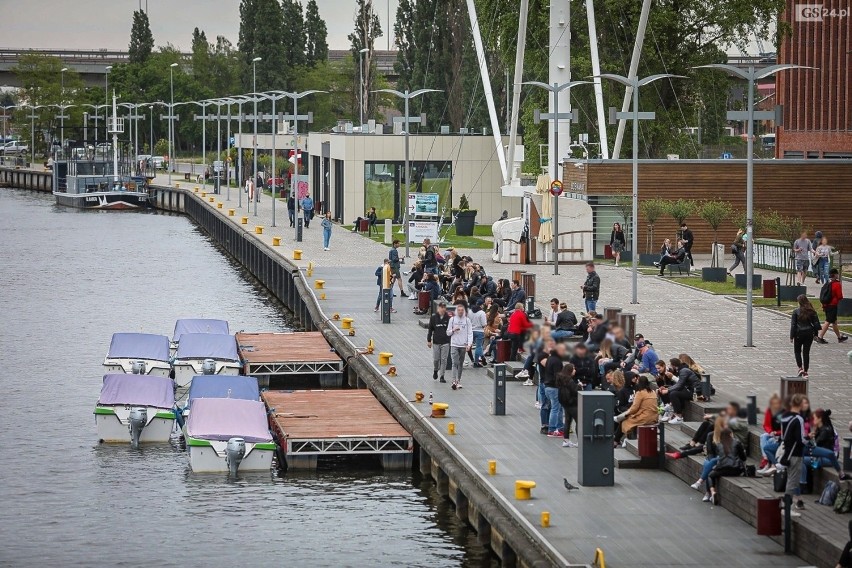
(817, 102)
(349, 173)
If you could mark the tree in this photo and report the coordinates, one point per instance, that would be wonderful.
(272, 70)
(652, 210)
(247, 39)
(680, 210)
(141, 39)
(200, 55)
(714, 213)
(224, 68)
(367, 30)
(316, 35)
(788, 229)
(335, 77)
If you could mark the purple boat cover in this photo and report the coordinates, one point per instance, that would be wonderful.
(139, 346)
(223, 418)
(223, 386)
(207, 346)
(138, 390)
(200, 326)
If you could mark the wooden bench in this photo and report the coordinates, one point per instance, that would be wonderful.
(686, 265)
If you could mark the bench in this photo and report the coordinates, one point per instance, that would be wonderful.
(686, 265)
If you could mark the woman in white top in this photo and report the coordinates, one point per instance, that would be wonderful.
(822, 256)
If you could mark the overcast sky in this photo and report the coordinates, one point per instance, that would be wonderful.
(94, 24)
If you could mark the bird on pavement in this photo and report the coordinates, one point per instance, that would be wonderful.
(568, 486)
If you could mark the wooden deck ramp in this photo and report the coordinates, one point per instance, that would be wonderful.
(314, 423)
(290, 356)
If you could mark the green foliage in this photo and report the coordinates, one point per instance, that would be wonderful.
(714, 213)
(293, 38)
(367, 29)
(246, 41)
(464, 205)
(161, 147)
(653, 209)
(681, 209)
(335, 77)
(316, 35)
(787, 228)
(141, 39)
(624, 205)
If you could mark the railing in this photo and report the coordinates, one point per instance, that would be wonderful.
(776, 254)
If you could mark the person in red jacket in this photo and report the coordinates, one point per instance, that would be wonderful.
(771, 437)
(519, 324)
(831, 309)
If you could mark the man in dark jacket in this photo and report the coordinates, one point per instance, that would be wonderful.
(673, 258)
(519, 296)
(591, 287)
(566, 323)
(291, 209)
(584, 366)
(793, 435)
(438, 341)
(551, 389)
(687, 237)
(430, 262)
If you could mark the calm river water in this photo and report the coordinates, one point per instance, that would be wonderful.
(68, 280)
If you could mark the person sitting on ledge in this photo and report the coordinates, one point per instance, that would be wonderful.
(584, 367)
(771, 437)
(731, 462)
(681, 392)
(822, 452)
(642, 411)
(370, 217)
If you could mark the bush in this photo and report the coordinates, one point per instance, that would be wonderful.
(161, 147)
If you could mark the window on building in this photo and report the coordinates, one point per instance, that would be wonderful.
(436, 177)
(381, 188)
(384, 185)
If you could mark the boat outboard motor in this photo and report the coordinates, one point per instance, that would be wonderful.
(234, 454)
(138, 421)
(208, 367)
(138, 368)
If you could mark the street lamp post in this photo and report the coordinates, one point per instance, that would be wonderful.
(32, 118)
(62, 110)
(361, 92)
(636, 116)
(556, 116)
(171, 118)
(254, 140)
(752, 75)
(107, 69)
(407, 121)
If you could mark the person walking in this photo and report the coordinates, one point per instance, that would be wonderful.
(326, 230)
(687, 237)
(802, 249)
(438, 341)
(591, 287)
(478, 321)
(738, 250)
(804, 326)
(308, 210)
(830, 296)
(460, 331)
(795, 440)
(291, 209)
(250, 189)
(822, 259)
(617, 241)
(552, 369)
(395, 264)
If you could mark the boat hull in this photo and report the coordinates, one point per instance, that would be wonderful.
(109, 200)
(204, 457)
(186, 369)
(155, 368)
(113, 426)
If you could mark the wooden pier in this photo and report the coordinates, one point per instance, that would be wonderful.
(315, 423)
(285, 357)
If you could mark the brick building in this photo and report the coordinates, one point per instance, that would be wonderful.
(817, 103)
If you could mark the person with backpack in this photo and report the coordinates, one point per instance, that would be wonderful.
(731, 462)
(738, 249)
(824, 439)
(438, 341)
(830, 296)
(794, 439)
(804, 326)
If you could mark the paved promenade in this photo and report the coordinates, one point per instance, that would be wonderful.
(647, 519)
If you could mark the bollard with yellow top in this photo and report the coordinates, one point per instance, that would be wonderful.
(385, 358)
(231, 212)
(195, 190)
(276, 241)
(319, 284)
(523, 489)
(545, 519)
(211, 199)
(371, 346)
(258, 229)
(451, 428)
(492, 467)
(297, 254)
(203, 194)
(439, 409)
(418, 396)
(310, 269)
(243, 220)
(346, 323)
(219, 205)
(322, 296)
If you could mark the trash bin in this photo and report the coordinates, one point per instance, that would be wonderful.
(647, 441)
(608, 252)
(769, 288)
(186, 177)
(768, 516)
(504, 350)
(793, 385)
(364, 225)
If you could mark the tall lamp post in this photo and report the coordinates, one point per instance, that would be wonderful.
(254, 139)
(203, 119)
(107, 69)
(32, 118)
(407, 121)
(361, 53)
(555, 117)
(171, 118)
(636, 116)
(752, 75)
(62, 109)
(273, 96)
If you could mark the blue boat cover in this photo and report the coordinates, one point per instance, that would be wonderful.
(223, 386)
(200, 326)
(224, 418)
(207, 346)
(138, 390)
(139, 346)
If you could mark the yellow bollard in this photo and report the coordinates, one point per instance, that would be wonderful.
(243, 220)
(231, 212)
(211, 199)
(177, 186)
(492, 467)
(371, 347)
(599, 561)
(346, 323)
(196, 189)
(439, 409)
(258, 230)
(310, 269)
(384, 358)
(218, 206)
(297, 255)
(451, 428)
(276, 241)
(545, 519)
(322, 296)
(318, 284)
(523, 489)
(203, 194)
(418, 396)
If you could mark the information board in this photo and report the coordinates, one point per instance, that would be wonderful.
(420, 230)
(423, 204)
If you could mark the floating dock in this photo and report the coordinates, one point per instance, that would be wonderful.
(285, 358)
(314, 423)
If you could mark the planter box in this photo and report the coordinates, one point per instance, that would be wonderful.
(790, 293)
(648, 259)
(719, 274)
(465, 221)
(756, 281)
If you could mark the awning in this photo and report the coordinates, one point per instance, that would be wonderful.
(220, 419)
(200, 326)
(138, 390)
(139, 346)
(207, 346)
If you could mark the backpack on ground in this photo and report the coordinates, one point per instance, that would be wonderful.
(825, 293)
(843, 503)
(829, 494)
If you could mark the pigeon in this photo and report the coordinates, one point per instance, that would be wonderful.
(568, 486)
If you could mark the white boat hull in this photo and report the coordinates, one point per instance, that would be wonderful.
(156, 368)
(113, 425)
(209, 457)
(186, 369)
